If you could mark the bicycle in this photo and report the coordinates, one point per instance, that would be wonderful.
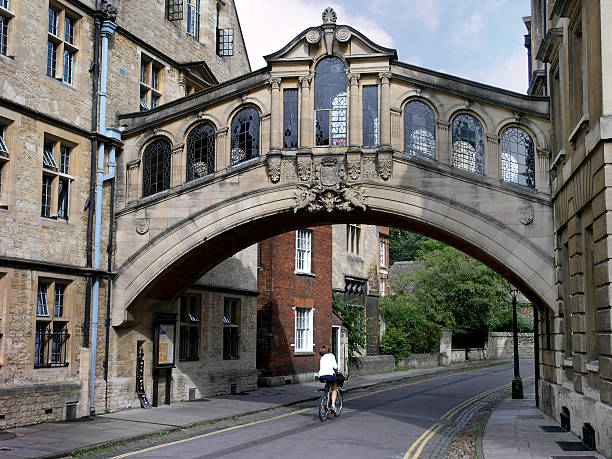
(325, 402)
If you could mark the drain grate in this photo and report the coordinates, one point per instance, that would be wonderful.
(572, 446)
(552, 429)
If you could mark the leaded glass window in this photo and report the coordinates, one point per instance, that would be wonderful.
(3, 35)
(45, 209)
(370, 116)
(245, 136)
(174, 10)
(518, 158)
(330, 102)
(69, 30)
(156, 167)
(225, 42)
(53, 21)
(193, 18)
(290, 118)
(200, 151)
(68, 66)
(468, 144)
(51, 58)
(419, 130)
(42, 299)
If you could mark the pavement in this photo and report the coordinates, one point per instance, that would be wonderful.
(512, 430)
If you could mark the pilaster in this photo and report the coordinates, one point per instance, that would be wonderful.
(385, 109)
(354, 131)
(306, 114)
(492, 158)
(276, 142)
(176, 165)
(443, 142)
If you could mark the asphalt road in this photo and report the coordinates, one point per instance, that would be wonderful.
(396, 421)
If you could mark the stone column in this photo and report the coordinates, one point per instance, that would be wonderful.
(492, 160)
(177, 175)
(385, 110)
(306, 114)
(446, 347)
(443, 136)
(354, 140)
(276, 142)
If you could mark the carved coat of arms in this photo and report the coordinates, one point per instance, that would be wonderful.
(525, 215)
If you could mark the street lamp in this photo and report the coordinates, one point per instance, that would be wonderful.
(517, 383)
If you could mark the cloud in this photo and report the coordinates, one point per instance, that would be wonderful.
(424, 12)
(267, 29)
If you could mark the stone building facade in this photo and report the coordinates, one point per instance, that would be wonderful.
(54, 59)
(570, 44)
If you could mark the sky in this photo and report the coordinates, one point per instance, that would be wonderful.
(481, 40)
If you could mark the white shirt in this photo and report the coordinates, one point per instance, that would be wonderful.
(327, 365)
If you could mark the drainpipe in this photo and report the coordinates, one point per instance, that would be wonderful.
(108, 28)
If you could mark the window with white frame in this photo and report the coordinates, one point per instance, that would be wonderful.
(383, 286)
(353, 238)
(383, 254)
(51, 337)
(61, 43)
(303, 329)
(193, 18)
(5, 18)
(56, 180)
(303, 251)
(4, 158)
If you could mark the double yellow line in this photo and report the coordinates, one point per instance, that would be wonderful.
(422, 441)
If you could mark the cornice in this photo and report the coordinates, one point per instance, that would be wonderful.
(550, 45)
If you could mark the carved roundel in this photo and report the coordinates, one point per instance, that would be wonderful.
(313, 35)
(343, 34)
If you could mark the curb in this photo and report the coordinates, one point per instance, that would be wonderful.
(171, 429)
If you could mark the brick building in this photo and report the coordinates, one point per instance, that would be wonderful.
(67, 68)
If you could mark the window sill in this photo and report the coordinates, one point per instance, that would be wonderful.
(304, 273)
(303, 353)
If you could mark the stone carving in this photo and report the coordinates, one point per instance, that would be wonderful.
(369, 167)
(526, 214)
(305, 80)
(329, 190)
(329, 16)
(313, 36)
(343, 34)
(274, 168)
(109, 12)
(142, 225)
(304, 166)
(353, 78)
(384, 77)
(288, 168)
(354, 168)
(275, 82)
(385, 165)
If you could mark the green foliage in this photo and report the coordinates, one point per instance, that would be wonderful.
(501, 320)
(403, 316)
(355, 322)
(403, 245)
(455, 290)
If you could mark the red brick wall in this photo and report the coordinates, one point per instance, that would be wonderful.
(280, 290)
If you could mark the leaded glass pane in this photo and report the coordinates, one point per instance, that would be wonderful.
(156, 167)
(53, 21)
(419, 130)
(174, 10)
(64, 159)
(58, 305)
(245, 136)
(51, 58)
(370, 116)
(68, 66)
(468, 144)
(3, 35)
(63, 198)
(5, 4)
(193, 18)
(69, 30)
(518, 158)
(290, 118)
(3, 148)
(42, 304)
(45, 210)
(200, 152)
(330, 102)
(225, 42)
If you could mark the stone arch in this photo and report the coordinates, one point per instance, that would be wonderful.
(192, 122)
(461, 109)
(165, 258)
(423, 96)
(235, 107)
(524, 123)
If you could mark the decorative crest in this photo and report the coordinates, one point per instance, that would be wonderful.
(329, 16)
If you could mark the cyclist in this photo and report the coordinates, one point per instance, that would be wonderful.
(327, 372)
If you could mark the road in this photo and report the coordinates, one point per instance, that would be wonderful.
(394, 421)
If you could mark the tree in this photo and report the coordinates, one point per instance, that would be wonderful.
(403, 245)
(355, 322)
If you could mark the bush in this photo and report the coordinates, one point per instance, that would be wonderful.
(501, 320)
(395, 343)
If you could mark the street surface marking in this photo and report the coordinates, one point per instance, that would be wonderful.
(418, 440)
(429, 437)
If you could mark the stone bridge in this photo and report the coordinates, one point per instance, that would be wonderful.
(335, 129)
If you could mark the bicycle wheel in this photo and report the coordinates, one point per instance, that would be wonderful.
(323, 407)
(338, 404)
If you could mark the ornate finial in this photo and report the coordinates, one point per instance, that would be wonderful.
(329, 16)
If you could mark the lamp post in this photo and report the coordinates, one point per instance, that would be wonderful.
(517, 383)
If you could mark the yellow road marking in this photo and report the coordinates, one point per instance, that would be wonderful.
(429, 437)
(228, 429)
(418, 440)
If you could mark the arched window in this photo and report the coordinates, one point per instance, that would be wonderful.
(468, 144)
(200, 151)
(518, 158)
(245, 136)
(156, 167)
(330, 102)
(419, 130)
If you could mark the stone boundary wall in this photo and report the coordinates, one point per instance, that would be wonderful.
(500, 345)
(421, 361)
(46, 403)
(372, 365)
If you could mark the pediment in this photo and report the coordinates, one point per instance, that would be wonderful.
(330, 38)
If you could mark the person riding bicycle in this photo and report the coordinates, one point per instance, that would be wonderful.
(327, 372)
